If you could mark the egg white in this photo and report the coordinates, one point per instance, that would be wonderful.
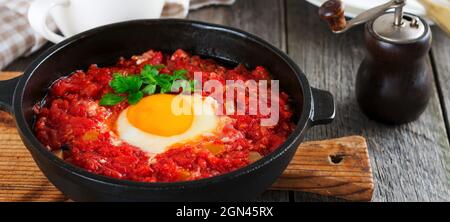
(204, 121)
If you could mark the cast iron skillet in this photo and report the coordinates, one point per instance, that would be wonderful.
(104, 46)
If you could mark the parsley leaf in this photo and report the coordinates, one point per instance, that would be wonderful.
(111, 99)
(149, 89)
(119, 84)
(149, 72)
(134, 83)
(179, 74)
(123, 84)
(166, 88)
(147, 83)
(165, 83)
(134, 98)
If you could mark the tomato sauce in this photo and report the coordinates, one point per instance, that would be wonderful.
(71, 122)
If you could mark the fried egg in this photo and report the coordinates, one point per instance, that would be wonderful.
(163, 120)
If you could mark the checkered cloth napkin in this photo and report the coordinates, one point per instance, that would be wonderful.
(17, 38)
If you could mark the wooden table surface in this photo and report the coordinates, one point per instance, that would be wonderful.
(410, 162)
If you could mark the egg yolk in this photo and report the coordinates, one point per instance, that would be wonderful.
(153, 114)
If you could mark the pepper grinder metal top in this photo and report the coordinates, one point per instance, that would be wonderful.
(393, 83)
(396, 27)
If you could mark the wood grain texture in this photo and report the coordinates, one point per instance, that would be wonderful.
(440, 52)
(338, 168)
(9, 75)
(264, 18)
(20, 178)
(312, 170)
(410, 162)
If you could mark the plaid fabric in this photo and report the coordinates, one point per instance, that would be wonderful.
(17, 38)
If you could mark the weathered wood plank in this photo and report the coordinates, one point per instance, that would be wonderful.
(264, 18)
(20, 179)
(338, 168)
(410, 162)
(440, 52)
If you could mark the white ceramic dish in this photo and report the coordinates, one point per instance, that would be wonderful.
(76, 16)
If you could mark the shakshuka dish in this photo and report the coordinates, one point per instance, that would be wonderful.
(120, 122)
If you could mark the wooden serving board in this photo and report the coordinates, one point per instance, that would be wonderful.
(337, 167)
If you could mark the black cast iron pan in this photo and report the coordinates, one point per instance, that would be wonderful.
(104, 46)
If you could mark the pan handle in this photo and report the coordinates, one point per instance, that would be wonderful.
(7, 88)
(324, 107)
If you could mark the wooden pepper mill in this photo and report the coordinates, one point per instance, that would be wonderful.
(394, 81)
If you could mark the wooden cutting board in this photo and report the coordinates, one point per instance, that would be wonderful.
(337, 167)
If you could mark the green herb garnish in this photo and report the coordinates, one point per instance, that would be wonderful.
(149, 89)
(134, 98)
(111, 99)
(135, 87)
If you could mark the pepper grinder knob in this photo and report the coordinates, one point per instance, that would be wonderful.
(333, 13)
